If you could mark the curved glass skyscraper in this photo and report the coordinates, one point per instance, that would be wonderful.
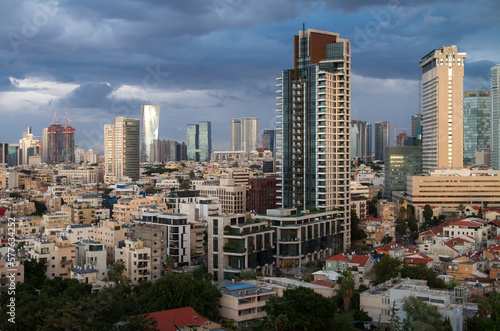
(150, 123)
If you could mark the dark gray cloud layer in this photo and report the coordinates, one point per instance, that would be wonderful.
(218, 59)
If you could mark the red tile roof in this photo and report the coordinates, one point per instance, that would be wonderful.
(338, 257)
(319, 282)
(493, 248)
(360, 260)
(3, 210)
(451, 246)
(181, 317)
(391, 246)
(464, 223)
(456, 240)
(371, 219)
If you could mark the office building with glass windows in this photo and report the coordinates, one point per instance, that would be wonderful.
(150, 125)
(193, 132)
(477, 124)
(205, 141)
(442, 75)
(313, 133)
(361, 141)
(399, 163)
(381, 139)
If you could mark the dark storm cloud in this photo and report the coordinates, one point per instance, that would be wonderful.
(230, 49)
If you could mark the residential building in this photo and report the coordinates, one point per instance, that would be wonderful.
(8, 269)
(236, 142)
(121, 149)
(127, 209)
(27, 147)
(243, 302)
(442, 73)
(399, 163)
(4, 154)
(337, 263)
(476, 228)
(312, 135)
(186, 319)
(176, 235)
(450, 188)
(231, 197)
(361, 140)
(381, 139)
(236, 244)
(137, 259)
(376, 229)
(477, 122)
(379, 300)
(110, 233)
(305, 237)
(387, 210)
(198, 231)
(82, 213)
(261, 194)
(149, 132)
(91, 254)
(154, 237)
(58, 255)
(495, 116)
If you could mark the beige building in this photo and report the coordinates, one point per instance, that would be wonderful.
(7, 269)
(198, 230)
(450, 188)
(476, 228)
(442, 72)
(58, 255)
(231, 197)
(110, 232)
(82, 213)
(154, 237)
(387, 210)
(137, 260)
(92, 255)
(127, 209)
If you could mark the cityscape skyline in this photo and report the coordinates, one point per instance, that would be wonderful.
(100, 89)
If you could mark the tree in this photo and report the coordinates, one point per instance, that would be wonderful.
(191, 174)
(116, 273)
(387, 239)
(480, 213)
(401, 226)
(150, 190)
(235, 165)
(395, 323)
(299, 309)
(372, 207)
(185, 185)
(248, 274)
(386, 269)
(421, 316)
(461, 208)
(346, 288)
(40, 208)
(428, 213)
(356, 232)
(140, 323)
(170, 263)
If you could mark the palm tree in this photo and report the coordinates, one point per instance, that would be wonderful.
(461, 208)
(170, 263)
(346, 289)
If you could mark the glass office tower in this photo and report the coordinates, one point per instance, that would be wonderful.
(150, 124)
(477, 120)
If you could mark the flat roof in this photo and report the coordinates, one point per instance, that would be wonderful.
(239, 286)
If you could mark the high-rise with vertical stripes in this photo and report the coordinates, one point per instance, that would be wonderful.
(442, 76)
(495, 117)
(313, 129)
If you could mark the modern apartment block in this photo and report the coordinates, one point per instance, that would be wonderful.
(301, 238)
(477, 124)
(153, 237)
(442, 73)
(381, 139)
(313, 126)
(495, 117)
(92, 254)
(110, 233)
(150, 125)
(176, 235)
(361, 141)
(261, 194)
(236, 244)
(121, 149)
(57, 254)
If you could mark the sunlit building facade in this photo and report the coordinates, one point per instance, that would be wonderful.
(150, 124)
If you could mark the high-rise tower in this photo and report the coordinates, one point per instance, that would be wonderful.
(442, 72)
(236, 134)
(381, 139)
(313, 123)
(150, 124)
(477, 116)
(361, 140)
(205, 141)
(495, 116)
(121, 148)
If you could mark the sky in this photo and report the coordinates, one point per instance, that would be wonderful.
(213, 60)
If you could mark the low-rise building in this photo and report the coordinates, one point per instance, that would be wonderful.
(110, 233)
(10, 272)
(137, 259)
(475, 228)
(92, 255)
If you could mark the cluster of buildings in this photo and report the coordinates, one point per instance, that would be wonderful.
(286, 204)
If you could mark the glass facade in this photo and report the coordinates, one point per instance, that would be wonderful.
(401, 162)
(495, 117)
(381, 139)
(150, 124)
(268, 140)
(193, 131)
(361, 140)
(477, 117)
(205, 141)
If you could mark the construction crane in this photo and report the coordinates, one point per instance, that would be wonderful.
(395, 136)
